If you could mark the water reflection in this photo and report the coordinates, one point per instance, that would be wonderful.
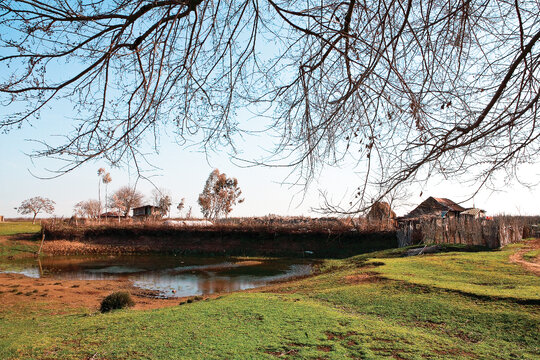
(172, 276)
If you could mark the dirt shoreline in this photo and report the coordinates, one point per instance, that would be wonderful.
(57, 294)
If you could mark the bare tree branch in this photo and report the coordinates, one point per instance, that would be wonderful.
(406, 90)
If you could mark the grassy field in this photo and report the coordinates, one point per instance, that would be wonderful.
(17, 247)
(18, 227)
(453, 305)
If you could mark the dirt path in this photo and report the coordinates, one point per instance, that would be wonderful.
(517, 257)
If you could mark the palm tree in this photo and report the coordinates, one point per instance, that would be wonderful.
(106, 180)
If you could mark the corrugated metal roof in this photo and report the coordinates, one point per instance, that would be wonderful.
(473, 212)
(145, 206)
(433, 206)
(449, 204)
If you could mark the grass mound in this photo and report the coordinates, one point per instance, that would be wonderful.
(116, 300)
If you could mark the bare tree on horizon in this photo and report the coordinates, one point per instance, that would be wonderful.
(36, 205)
(125, 199)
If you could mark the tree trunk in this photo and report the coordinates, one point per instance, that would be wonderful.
(99, 198)
(34, 218)
(106, 198)
(42, 240)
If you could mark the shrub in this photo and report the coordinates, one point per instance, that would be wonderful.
(116, 300)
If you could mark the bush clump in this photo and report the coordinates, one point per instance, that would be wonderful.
(116, 300)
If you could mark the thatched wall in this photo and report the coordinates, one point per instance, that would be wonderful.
(465, 230)
(224, 239)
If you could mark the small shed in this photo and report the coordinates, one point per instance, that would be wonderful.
(474, 213)
(146, 211)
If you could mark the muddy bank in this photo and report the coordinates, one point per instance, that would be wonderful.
(113, 240)
(57, 294)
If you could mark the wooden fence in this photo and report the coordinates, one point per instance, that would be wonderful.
(465, 230)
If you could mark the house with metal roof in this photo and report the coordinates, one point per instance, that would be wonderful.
(436, 207)
(146, 211)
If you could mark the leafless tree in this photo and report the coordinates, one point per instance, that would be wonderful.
(406, 88)
(88, 208)
(36, 205)
(126, 198)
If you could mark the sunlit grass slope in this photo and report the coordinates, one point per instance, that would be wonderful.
(14, 247)
(479, 273)
(18, 227)
(454, 305)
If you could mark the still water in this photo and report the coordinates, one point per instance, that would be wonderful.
(171, 276)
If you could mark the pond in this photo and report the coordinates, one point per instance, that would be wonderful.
(170, 276)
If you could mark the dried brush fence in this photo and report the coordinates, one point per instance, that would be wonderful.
(248, 236)
(493, 234)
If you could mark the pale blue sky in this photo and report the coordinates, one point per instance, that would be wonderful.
(184, 171)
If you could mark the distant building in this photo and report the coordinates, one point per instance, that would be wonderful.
(146, 211)
(474, 213)
(436, 207)
(111, 214)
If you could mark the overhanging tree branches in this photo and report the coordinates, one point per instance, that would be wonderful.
(407, 89)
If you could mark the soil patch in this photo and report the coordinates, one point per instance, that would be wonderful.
(61, 294)
(324, 348)
(455, 352)
(362, 278)
(282, 353)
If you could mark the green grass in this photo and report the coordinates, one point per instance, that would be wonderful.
(18, 227)
(455, 305)
(479, 273)
(531, 255)
(14, 247)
